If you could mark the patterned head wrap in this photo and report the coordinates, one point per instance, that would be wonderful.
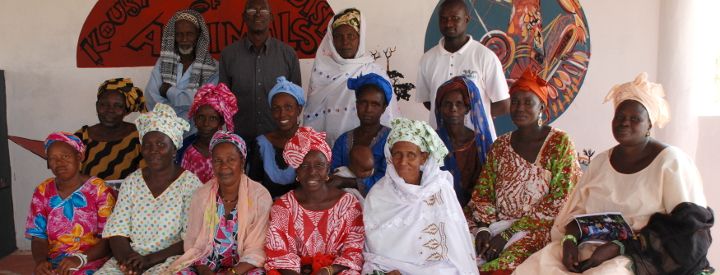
(220, 98)
(304, 141)
(66, 137)
(285, 86)
(187, 17)
(372, 79)
(419, 133)
(454, 84)
(350, 17)
(650, 95)
(204, 66)
(531, 82)
(163, 119)
(134, 99)
(226, 136)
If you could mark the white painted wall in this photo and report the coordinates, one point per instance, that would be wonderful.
(46, 92)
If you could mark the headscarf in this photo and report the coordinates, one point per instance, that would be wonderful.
(134, 99)
(409, 214)
(350, 17)
(305, 140)
(164, 120)
(228, 137)
(419, 133)
(285, 86)
(372, 79)
(330, 107)
(187, 17)
(204, 65)
(649, 94)
(220, 98)
(481, 128)
(531, 82)
(66, 137)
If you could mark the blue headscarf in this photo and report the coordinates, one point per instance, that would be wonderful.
(285, 86)
(372, 79)
(483, 137)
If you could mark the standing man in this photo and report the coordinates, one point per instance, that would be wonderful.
(184, 64)
(458, 54)
(250, 67)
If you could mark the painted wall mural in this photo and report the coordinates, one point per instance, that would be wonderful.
(550, 36)
(126, 33)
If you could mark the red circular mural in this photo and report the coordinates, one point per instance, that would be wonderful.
(126, 33)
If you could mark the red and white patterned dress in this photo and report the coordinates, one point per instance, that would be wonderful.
(295, 232)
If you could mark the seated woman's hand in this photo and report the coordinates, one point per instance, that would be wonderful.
(497, 244)
(482, 242)
(603, 253)
(67, 265)
(570, 256)
(43, 268)
(135, 264)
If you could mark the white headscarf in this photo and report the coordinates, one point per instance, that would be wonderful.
(416, 229)
(330, 104)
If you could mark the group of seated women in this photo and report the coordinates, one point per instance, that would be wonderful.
(450, 201)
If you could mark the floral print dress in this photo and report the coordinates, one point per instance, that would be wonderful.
(71, 224)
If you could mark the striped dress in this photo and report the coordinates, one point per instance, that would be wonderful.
(110, 160)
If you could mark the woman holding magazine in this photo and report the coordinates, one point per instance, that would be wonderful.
(638, 178)
(524, 183)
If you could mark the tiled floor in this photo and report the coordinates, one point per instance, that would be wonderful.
(20, 262)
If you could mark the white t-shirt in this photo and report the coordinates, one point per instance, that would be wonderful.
(474, 61)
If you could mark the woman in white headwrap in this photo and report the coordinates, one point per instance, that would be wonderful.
(413, 221)
(638, 177)
(330, 103)
(146, 228)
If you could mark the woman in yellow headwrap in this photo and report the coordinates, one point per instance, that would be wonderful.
(113, 145)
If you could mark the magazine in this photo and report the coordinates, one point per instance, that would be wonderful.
(603, 227)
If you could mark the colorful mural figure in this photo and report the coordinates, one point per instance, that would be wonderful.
(126, 33)
(550, 36)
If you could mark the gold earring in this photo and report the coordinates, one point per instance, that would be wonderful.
(647, 134)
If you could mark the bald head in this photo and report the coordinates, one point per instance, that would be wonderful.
(257, 16)
(253, 3)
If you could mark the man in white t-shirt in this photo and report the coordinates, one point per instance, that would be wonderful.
(458, 54)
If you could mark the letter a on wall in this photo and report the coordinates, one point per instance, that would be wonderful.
(127, 33)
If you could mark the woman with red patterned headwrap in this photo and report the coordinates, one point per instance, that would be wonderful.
(213, 108)
(315, 227)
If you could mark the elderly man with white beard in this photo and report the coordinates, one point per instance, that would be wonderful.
(185, 64)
